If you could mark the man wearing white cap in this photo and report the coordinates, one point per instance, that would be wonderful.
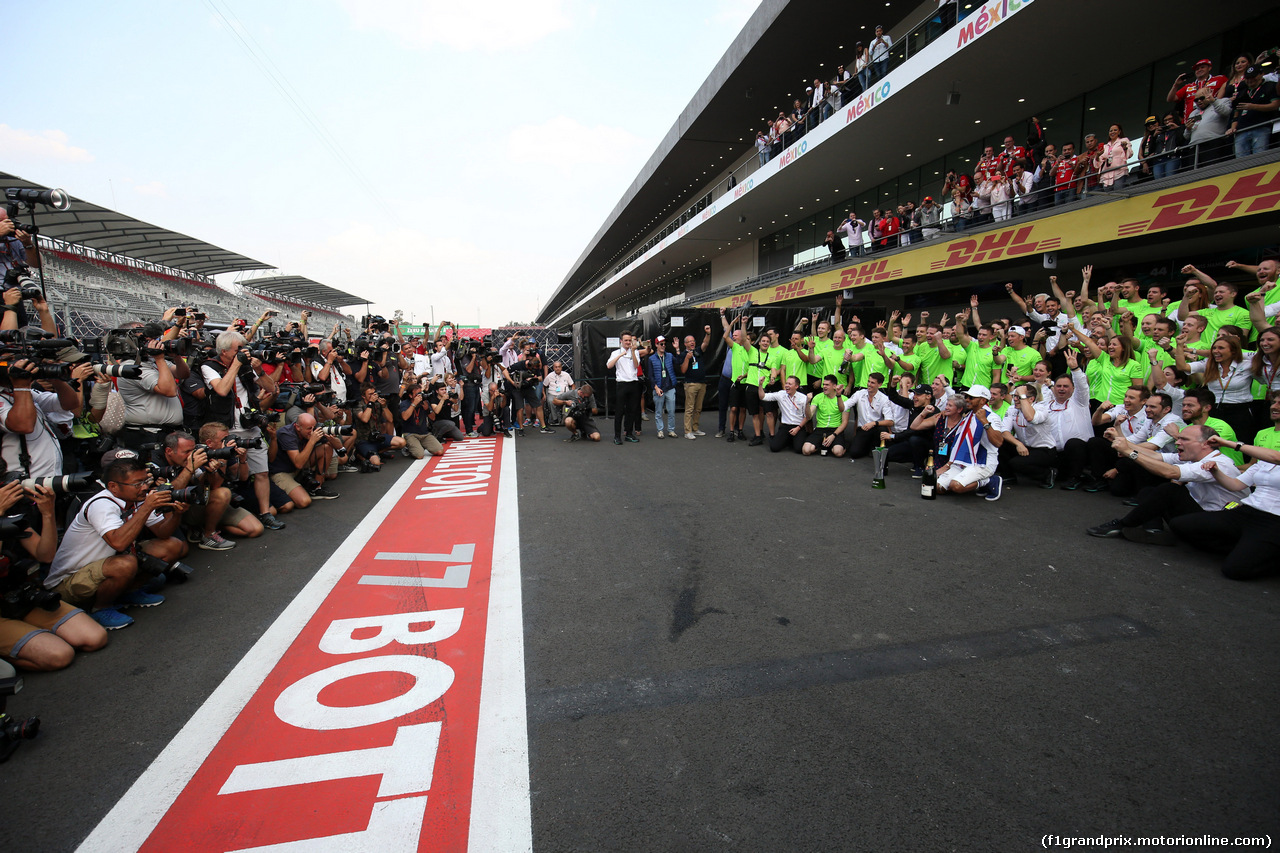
(662, 375)
(974, 450)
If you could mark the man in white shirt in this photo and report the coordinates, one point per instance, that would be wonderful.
(874, 413)
(625, 362)
(27, 431)
(557, 382)
(792, 407)
(1029, 443)
(976, 451)
(1149, 433)
(1190, 488)
(880, 54)
(1126, 421)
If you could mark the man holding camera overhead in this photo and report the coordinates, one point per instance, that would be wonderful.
(184, 463)
(152, 406)
(233, 394)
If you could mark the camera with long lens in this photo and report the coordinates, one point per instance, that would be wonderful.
(251, 418)
(349, 404)
(65, 484)
(578, 411)
(219, 452)
(21, 590)
(194, 495)
(118, 371)
(150, 566)
(20, 277)
(249, 443)
(53, 370)
(335, 430)
(13, 731)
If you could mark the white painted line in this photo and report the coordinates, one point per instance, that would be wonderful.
(501, 816)
(127, 826)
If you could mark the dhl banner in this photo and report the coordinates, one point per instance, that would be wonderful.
(1236, 194)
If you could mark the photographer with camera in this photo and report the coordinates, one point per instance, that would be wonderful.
(331, 368)
(415, 413)
(579, 405)
(532, 371)
(29, 439)
(152, 406)
(493, 402)
(185, 464)
(472, 376)
(38, 631)
(301, 463)
(445, 409)
(375, 431)
(97, 565)
(233, 390)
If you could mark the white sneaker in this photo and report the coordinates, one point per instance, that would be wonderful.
(671, 433)
(698, 432)
(660, 435)
(690, 436)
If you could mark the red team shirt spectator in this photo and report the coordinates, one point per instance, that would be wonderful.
(1186, 93)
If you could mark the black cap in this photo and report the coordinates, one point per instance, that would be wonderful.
(1252, 71)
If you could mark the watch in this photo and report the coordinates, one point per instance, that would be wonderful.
(1133, 454)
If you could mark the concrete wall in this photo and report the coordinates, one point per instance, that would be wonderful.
(734, 265)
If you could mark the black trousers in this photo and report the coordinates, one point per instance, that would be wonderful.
(910, 447)
(1249, 537)
(1131, 477)
(860, 442)
(1036, 464)
(1239, 417)
(1072, 459)
(627, 416)
(782, 439)
(1165, 501)
(1101, 457)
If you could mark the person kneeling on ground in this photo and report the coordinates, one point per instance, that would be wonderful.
(415, 414)
(792, 406)
(974, 450)
(184, 463)
(374, 430)
(579, 406)
(95, 566)
(39, 639)
(830, 418)
(302, 456)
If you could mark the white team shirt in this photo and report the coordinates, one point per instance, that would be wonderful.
(1265, 479)
(82, 543)
(1207, 492)
(792, 408)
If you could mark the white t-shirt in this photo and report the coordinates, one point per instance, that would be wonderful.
(242, 394)
(1207, 492)
(558, 383)
(1265, 479)
(336, 381)
(82, 543)
(42, 442)
(441, 363)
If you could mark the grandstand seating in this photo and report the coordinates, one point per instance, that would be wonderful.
(92, 294)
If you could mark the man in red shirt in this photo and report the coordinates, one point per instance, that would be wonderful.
(1009, 155)
(889, 228)
(988, 162)
(1085, 168)
(1064, 176)
(1185, 92)
(961, 182)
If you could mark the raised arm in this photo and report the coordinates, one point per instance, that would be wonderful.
(1017, 300)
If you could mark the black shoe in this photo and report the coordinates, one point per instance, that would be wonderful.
(1071, 485)
(755, 442)
(320, 493)
(742, 436)
(729, 437)
(367, 467)
(1148, 535)
(1112, 528)
(632, 439)
(572, 437)
(1048, 481)
(270, 522)
(1131, 502)
(1098, 486)
(546, 431)
(617, 441)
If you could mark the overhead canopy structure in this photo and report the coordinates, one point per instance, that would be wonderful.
(106, 230)
(298, 287)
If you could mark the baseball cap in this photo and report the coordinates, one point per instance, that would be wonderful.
(1017, 330)
(1252, 71)
(659, 339)
(116, 454)
(928, 198)
(978, 391)
(1152, 120)
(922, 389)
(1200, 62)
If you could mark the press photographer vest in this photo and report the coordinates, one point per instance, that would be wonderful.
(221, 409)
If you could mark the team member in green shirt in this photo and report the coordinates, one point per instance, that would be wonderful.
(1224, 310)
(795, 361)
(764, 373)
(1112, 369)
(829, 417)
(742, 354)
(980, 355)
(860, 358)
(933, 353)
(1018, 358)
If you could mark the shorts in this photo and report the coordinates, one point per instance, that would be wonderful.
(532, 395)
(194, 516)
(514, 397)
(738, 395)
(276, 497)
(820, 434)
(966, 475)
(81, 587)
(284, 482)
(369, 448)
(16, 633)
(753, 399)
(257, 456)
(586, 426)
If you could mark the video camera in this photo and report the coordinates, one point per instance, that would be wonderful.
(376, 321)
(33, 345)
(21, 590)
(20, 277)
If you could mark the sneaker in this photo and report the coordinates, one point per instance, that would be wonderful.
(917, 473)
(729, 437)
(111, 619)
(671, 433)
(1098, 486)
(644, 416)
(1071, 485)
(508, 433)
(473, 434)
(720, 434)
(520, 431)
(742, 436)
(322, 494)
(994, 486)
(214, 542)
(1148, 535)
(1111, 529)
(546, 431)
(138, 598)
(527, 422)
(616, 441)
(270, 522)
(699, 432)
(661, 434)
(755, 442)
(366, 467)
(348, 469)
(633, 439)
(573, 437)
(1048, 482)
(690, 436)
(194, 535)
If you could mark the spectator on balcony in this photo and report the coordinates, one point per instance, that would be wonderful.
(862, 66)
(817, 104)
(1185, 92)
(835, 247)
(961, 209)
(852, 229)
(1042, 175)
(762, 147)
(959, 181)
(997, 191)
(987, 163)
(797, 122)
(1208, 125)
(1010, 155)
(907, 224)
(1238, 67)
(1156, 149)
(880, 54)
(890, 226)
(1111, 161)
(843, 86)
(1256, 102)
(1086, 164)
(930, 216)
(1023, 186)
(1064, 175)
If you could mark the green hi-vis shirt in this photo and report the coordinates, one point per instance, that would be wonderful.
(862, 368)
(795, 365)
(742, 357)
(1000, 410)
(1268, 438)
(833, 360)
(1108, 382)
(1228, 434)
(829, 411)
(979, 362)
(1020, 361)
(914, 361)
(764, 365)
(820, 350)
(1140, 308)
(931, 364)
(1233, 316)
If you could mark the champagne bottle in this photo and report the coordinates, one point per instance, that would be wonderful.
(929, 485)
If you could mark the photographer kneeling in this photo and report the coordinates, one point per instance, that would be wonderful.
(579, 405)
(184, 463)
(375, 431)
(301, 463)
(415, 412)
(96, 566)
(37, 630)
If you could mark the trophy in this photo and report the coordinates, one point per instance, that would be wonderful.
(880, 458)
